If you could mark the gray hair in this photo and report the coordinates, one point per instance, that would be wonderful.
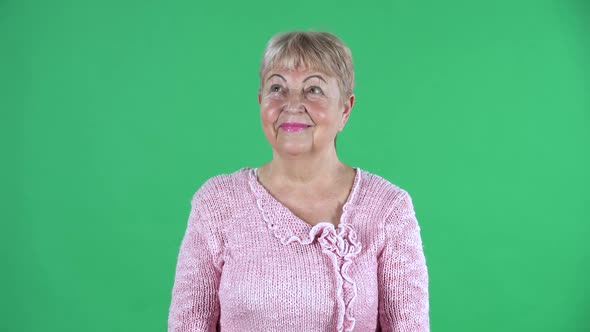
(321, 51)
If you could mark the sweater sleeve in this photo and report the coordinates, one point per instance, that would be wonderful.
(402, 272)
(195, 303)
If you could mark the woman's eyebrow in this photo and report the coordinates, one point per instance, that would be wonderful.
(318, 76)
(276, 75)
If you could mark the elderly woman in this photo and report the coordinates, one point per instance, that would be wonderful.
(303, 242)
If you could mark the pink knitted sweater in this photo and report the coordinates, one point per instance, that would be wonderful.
(247, 263)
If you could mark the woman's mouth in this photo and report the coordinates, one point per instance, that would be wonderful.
(293, 126)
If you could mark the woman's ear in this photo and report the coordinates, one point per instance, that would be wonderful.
(351, 101)
(259, 97)
(347, 108)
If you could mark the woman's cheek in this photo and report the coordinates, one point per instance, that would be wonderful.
(274, 103)
(269, 117)
(318, 113)
(317, 106)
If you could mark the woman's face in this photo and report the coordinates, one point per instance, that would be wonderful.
(302, 111)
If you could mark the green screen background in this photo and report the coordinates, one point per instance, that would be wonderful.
(115, 112)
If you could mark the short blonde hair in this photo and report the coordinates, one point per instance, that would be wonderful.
(315, 50)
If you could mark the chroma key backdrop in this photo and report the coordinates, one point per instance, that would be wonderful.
(115, 112)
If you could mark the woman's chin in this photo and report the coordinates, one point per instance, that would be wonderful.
(293, 149)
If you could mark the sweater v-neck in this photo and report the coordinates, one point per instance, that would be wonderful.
(289, 227)
(340, 245)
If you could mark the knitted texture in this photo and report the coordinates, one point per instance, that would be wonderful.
(247, 263)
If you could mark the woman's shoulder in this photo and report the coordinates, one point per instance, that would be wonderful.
(379, 189)
(381, 197)
(226, 187)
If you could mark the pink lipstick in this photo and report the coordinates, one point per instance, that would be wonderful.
(293, 126)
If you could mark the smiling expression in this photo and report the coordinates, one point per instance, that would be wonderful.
(302, 110)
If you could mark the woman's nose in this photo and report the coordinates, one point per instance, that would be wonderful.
(294, 103)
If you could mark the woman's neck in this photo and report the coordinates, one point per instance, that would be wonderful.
(299, 171)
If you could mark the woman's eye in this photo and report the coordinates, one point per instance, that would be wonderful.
(315, 90)
(275, 88)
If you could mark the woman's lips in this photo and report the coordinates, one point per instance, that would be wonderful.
(293, 126)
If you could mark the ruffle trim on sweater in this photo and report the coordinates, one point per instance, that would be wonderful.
(340, 245)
